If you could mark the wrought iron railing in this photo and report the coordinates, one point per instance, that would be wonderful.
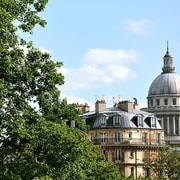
(124, 141)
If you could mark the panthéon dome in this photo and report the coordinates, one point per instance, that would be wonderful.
(168, 82)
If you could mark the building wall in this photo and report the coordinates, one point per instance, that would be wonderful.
(126, 136)
(133, 152)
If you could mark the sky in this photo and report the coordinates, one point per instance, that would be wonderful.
(110, 50)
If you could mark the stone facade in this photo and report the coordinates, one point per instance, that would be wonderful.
(126, 136)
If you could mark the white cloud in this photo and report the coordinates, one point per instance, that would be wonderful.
(109, 56)
(100, 67)
(138, 27)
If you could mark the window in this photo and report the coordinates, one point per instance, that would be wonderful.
(92, 135)
(140, 121)
(165, 101)
(146, 156)
(131, 154)
(144, 138)
(130, 135)
(174, 101)
(147, 172)
(103, 139)
(117, 155)
(153, 122)
(132, 171)
(117, 120)
(157, 102)
(117, 137)
(103, 121)
(103, 151)
(151, 102)
(157, 138)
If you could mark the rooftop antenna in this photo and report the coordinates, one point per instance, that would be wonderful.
(119, 97)
(114, 100)
(103, 96)
(95, 97)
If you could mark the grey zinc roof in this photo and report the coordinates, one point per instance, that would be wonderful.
(165, 83)
(94, 120)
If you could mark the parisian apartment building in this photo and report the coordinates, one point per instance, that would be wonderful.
(130, 137)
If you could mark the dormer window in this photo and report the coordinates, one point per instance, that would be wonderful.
(140, 121)
(103, 121)
(117, 120)
(153, 122)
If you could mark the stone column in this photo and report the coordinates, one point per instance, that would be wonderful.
(168, 125)
(162, 122)
(174, 123)
(179, 125)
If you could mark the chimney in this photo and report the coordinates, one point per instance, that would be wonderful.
(125, 106)
(83, 107)
(135, 104)
(100, 106)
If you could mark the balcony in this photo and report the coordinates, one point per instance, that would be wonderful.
(127, 142)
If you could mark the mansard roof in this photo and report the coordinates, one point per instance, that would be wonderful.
(127, 119)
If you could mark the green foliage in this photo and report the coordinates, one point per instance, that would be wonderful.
(168, 163)
(55, 150)
(35, 142)
(25, 12)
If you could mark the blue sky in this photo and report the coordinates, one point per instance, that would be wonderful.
(109, 48)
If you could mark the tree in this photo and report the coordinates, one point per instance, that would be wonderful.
(167, 164)
(35, 142)
(57, 151)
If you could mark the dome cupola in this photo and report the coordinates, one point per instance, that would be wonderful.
(168, 82)
(168, 62)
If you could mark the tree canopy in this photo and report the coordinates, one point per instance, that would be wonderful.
(35, 142)
(168, 163)
(57, 152)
